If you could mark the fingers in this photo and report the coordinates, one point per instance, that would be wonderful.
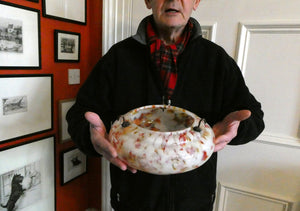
(238, 115)
(100, 141)
(221, 142)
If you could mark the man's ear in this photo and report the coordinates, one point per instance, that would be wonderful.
(148, 4)
(195, 4)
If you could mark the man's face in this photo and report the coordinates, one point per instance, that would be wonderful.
(172, 14)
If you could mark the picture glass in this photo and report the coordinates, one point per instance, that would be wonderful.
(74, 164)
(19, 37)
(27, 176)
(25, 105)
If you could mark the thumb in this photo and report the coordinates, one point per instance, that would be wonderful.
(238, 115)
(95, 121)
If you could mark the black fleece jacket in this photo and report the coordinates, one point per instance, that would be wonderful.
(210, 84)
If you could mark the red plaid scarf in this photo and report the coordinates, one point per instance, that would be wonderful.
(165, 56)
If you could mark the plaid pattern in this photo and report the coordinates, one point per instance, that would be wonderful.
(165, 56)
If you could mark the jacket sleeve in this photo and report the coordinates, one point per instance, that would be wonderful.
(238, 97)
(93, 96)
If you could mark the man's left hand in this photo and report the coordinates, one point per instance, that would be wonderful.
(227, 129)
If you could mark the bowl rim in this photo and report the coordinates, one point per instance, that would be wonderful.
(136, 110)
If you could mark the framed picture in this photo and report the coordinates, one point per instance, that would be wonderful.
(67, 46)
(27, 176)
(73, 165)
(25, 105)
(63, 107)
(65, 10)
(20, 45)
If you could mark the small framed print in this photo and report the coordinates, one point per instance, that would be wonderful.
(65, 10)
(20, 45)
(63, 107)
(67, 46)
(27, 176)
(25, 105)
(73, 165)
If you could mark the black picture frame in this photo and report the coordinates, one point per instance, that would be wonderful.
(31, 165)
(73, 164)
(66, 10)
(37, 1)
(26, 105)
(20, 44)
(66, 46)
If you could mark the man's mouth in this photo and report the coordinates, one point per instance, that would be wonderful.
(171, 10)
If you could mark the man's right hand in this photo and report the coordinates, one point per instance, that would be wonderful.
(99, 138)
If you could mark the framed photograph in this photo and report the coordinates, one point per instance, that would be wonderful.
(63, 107)
(25, 105)
(73, 165)
(27, 176)
(67, 46)
(65, 10)
(20, 44)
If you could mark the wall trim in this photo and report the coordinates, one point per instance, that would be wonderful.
(117, 22)
(247, 29)
(224, 192)
(117, 25)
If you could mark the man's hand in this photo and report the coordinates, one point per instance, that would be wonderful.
(227, 129)
(99, 139)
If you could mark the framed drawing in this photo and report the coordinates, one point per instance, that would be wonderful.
(25, 105)
(20, 45)
(27, 176)
(67, 46)
(66, 10)
(63, 107)
(73, 164)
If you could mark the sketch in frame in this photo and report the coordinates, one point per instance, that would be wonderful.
(20, 46)
(13, 105)
(25, 105)
(67, 46)
(66, 10)
(74, 164)
(11, 35)
(63, 107)
(21, 187)
(27, 176)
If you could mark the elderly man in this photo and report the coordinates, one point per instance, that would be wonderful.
(166, 59)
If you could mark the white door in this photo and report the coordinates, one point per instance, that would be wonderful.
(264, 38)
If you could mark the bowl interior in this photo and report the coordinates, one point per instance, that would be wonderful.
(162, 119)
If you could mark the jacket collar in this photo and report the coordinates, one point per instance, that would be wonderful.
(141, 37)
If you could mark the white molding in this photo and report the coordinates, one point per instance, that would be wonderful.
(247, 29)
(279, 139)
(117, 20)
(211, 29)
(224, 191)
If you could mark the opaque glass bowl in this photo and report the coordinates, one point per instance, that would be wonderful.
(162, 139)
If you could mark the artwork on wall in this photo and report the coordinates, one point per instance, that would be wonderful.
(65, 10)
(63, 107)
(19, 37)
(67, 46)
(27, 176)
(25, 105)
(73, 165)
